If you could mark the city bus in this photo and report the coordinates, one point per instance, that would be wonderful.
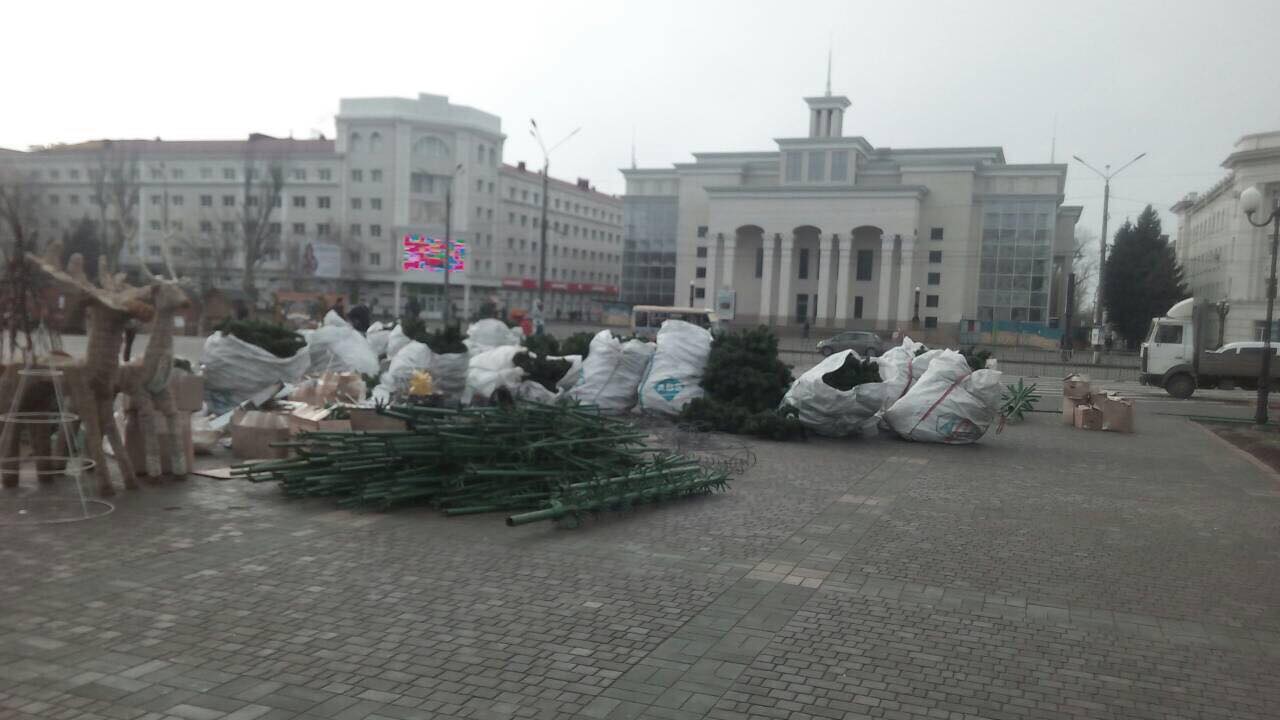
(646, 319)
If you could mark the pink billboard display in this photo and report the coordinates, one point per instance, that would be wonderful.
(421, 253)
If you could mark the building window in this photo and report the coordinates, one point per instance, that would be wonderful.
(326, 174)
(375, 258)
(355, 229)
(700, 293)
(299, 201)
(375, 231)
(840, 165)
(935, 233)
(817, 165)
(206, 201)
(931, 321)
(176, 200)
(866, 258)
(323, 202)
(74, 174)
(479, 153)
(935, 278)
(375, 203)
(857, 307)
(206, 226)
(760, 262)
(931, 301)
(74, 199)
(700, 272)
(157, 199)
(935, 256)
(156, 173)
(322, 229)
(206, 173)
(228, 173)
(228, 201)
(357, 176)
(375, 142)
(356, 203)
(299, 174)
(155, 224)
(273, 229)
(803, 269)
(793, 161)
(702, 251)
(153, 250)
(802, 307)
(299, 229)
(228, 227)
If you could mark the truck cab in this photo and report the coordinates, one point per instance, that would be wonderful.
(1169, 352)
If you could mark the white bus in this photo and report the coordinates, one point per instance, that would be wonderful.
(646, 319)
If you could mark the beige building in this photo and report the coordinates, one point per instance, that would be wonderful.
(347, 205)
(1223, 257)
(833, 230)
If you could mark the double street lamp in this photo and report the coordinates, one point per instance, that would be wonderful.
(546, 180)
(1251, 203)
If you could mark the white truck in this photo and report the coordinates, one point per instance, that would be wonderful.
(1174, 358)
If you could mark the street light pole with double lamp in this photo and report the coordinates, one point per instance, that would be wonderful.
(1251, 203)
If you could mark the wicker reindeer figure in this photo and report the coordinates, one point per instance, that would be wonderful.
(94, 381)
(146, 384)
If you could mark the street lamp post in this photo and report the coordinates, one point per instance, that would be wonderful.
(1102, 247)
(1251, 202)
(448, 238)
(915, 315)
(691, 284)
(546, 181)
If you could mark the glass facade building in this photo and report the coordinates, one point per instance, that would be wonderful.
(1015, 273)
(649, 250)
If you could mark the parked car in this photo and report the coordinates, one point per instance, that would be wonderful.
(865, 343)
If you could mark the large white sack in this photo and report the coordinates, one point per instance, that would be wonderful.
(949, 404)
(675, 373)
(378, 336)
(412, 358)
(901, 368)
(234, 370)
(490, 333)
(611, 373)
(490, 370)
(396, 341)
(338, 347)
(449, 374)
(829, 411)
(574, 373)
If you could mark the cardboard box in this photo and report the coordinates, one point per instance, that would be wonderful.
(314, 419)
(253, 431)
(1117, 412)
(368, 419)
(330, 388)
(1088, 417)
(1069, 406)
(187, 390)
(1075, 387)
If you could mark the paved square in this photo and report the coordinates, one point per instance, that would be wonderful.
(1044, 573)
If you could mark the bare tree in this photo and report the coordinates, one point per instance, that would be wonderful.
(1084, 264)
(21, 209)
(263, 188)
(116, 193)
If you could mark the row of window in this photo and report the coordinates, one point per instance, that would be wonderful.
(518, 270)
(566, 228)
(275, 228)
(574, 253)
(157, 172)
(568, 206)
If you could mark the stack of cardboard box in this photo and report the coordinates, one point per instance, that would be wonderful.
(1089, 410)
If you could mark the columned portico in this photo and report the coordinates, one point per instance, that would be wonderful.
(766, 278)
(844, 279)
(885, 317)
(825, 272)
(785, 306)
(906, 279)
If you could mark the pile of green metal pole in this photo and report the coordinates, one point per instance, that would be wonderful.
(539, 462)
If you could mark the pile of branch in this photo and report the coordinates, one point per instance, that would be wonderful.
(744, 382)
(275, 339)
(536, 462)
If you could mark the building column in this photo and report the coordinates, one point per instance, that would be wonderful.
(766, 278)
(713, 258)
(730, 259)
(844, 279)
(825, 267)
(884, 317)
(906, 282)
(786, 303)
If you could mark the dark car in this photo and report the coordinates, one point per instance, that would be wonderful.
(865, 343)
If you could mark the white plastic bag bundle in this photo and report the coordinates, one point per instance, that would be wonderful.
(378, 336)
(234, 370)
(412, 358)
(611, 374)
(338, 347)
(829, 411)
(396, 341)
(449, 374)
(490, 370)
(490, 333)
(675, 374)
(901, 368)
(533, 391)
(949, 404)
(574, 373)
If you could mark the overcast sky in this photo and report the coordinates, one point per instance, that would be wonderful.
(1179, 80)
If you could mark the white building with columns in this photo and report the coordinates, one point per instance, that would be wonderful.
(831, 229)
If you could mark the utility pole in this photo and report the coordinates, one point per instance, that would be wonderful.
(448, 240)
(1250, 203)
(546, 199)
(1098, 316)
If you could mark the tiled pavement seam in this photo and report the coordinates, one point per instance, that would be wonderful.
(686, 675)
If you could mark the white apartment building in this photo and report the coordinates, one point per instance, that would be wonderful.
(351, 201)
(1223, 256)
(831, 229)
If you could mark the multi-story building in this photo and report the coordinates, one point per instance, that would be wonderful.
(1223, 256)
(398, 168)
(833, 230)
(649, 212)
